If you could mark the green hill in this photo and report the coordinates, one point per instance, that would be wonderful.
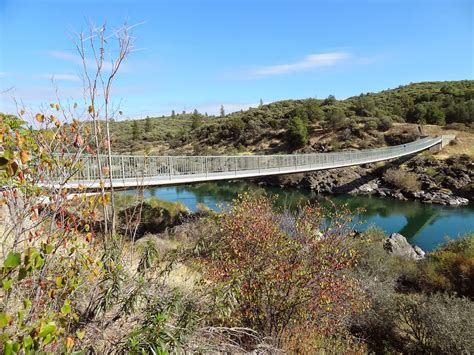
(328, 124)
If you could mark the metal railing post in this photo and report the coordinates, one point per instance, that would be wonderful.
(123, 168)
(169, 166)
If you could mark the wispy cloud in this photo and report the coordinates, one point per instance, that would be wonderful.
(76, 59)
(61, 77)
(64, 55)
(309, 62)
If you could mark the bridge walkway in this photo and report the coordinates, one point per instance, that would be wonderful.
(130, 171)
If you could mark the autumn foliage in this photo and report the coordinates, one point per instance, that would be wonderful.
(283, 274)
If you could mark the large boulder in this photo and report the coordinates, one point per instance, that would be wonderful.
(341, 180)
(397, 244)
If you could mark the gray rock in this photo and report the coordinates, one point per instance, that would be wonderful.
(369, 188)
(458, 201)
(419, 252)
(342, 180)
(397, 244)
(400, 196)
(443, 198)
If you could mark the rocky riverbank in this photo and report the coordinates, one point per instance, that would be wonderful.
(423, 178)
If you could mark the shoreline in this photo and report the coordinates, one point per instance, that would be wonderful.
(422, 179)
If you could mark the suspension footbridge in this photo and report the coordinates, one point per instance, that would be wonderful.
(129, 171)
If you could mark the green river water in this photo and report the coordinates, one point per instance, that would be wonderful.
(425, 225)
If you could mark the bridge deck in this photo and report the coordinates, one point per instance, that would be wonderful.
(132, 171)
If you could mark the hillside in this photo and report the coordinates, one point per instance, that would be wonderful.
(367, 120)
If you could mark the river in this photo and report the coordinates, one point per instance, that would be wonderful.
(425, 225)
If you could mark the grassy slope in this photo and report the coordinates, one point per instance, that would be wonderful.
(263, 129)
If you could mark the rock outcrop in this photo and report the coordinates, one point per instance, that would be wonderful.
(446, 182)
(397, 244)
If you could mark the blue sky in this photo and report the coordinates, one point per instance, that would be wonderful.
(201, 54)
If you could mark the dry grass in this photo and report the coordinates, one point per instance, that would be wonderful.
(464, 141)
(180, 276)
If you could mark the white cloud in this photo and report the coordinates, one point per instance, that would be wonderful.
(76, 59)
(61, 77)
(309, 62)
(64, 55)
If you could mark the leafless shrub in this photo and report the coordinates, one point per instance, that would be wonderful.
(403, 180)
(437, 323)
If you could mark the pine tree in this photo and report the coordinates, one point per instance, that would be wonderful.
(135, 131)
(297, 133)
(196, 118)
(147, 124)
(173, 114)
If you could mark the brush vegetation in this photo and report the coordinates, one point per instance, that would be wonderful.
(283, 126)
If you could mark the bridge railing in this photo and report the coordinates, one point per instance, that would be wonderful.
(132, 167)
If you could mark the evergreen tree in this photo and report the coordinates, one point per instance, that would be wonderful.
(222, 111)
(313, 110)
(173, 114)
(236, 126)
(335, 118)
(297, 133)
(135, 131)
(261, 103)
(330, 100)
(196, 118)
(147, 124)
(434, 115)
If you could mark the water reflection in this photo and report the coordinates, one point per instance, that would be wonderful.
(423, 224)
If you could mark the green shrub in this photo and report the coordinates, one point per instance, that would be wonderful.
(371, 124)
(169, 321)
(407, 314)
(336, 118)
(448, 269)
(431, 171)
(429, 324)
(297, 133)
(385, 123)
